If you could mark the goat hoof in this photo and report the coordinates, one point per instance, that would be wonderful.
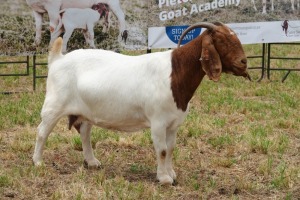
(172, 174)
(174, 183)
(38, 163)
(95, 164)
(165, 180)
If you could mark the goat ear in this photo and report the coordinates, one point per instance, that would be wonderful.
(210, 59)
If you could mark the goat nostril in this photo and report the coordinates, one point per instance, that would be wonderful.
(244, 61)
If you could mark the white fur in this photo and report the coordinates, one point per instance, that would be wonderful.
(114, 91)
(73, 18)
(52, 7)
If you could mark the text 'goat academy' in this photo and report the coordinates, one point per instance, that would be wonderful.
(195, 8)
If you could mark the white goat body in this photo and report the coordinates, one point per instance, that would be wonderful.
(129, 93)
(52, 7)
(113, 90)
(76, 18)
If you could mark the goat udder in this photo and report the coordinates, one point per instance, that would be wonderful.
(74, 121)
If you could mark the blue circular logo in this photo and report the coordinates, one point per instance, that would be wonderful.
(174, 33)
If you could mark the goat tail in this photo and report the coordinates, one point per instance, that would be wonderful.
(55, 52)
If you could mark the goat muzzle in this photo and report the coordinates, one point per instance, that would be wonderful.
(246, 75)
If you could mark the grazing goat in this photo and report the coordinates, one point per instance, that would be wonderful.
(124, 36)
(85, 19)
(264, 3)
(129, 93)
(285, 26)
(52, 7)
(103, 10)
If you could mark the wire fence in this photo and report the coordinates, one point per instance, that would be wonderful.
(36, 68)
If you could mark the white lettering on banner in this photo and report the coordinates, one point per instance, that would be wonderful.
(171, 2)
(243, 31)
(164, 15)
(181, 30)
(169, 15)
(187, 37)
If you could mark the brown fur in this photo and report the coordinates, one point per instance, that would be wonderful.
(73, 121)
(187, 72)
(210, 59)
(103, 10)
(124, 36)
(211, 53)
(163, 154)
(285, 26)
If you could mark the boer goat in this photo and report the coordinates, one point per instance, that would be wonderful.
(285, 26)
(124, 36)
(129, 93)
(86, 18)
(52, 7)
(264, 3)
(105, 14)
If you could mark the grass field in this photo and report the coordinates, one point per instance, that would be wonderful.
(241, 140)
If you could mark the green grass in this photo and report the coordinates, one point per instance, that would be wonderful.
(4, 181)
(22, 109)
(240, 141)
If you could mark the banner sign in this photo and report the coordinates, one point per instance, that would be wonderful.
(248, 33)
(29, 27)
(277, 21)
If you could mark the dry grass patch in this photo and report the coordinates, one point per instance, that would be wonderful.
(240, 140)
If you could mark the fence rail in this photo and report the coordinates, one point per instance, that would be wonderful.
(265, 64)
(17, 62)
(35, 75)
(25, 73)
(270, 57)
(262, 62)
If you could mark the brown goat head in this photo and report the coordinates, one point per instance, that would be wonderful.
(222, 51)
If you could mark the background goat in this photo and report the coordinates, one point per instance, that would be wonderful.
(285, 26)
(72, 18)
(264, 4)
(124, 36)
(39, 7)
(129, 93)
(105, 14)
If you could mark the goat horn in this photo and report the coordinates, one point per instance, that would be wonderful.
(209, 26)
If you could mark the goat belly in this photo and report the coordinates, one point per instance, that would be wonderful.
(127, 126)
(130, 124)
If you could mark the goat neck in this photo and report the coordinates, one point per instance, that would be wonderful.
(187, 72)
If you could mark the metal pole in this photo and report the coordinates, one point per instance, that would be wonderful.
(268, 61)
(263, 61)
(34, 71)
